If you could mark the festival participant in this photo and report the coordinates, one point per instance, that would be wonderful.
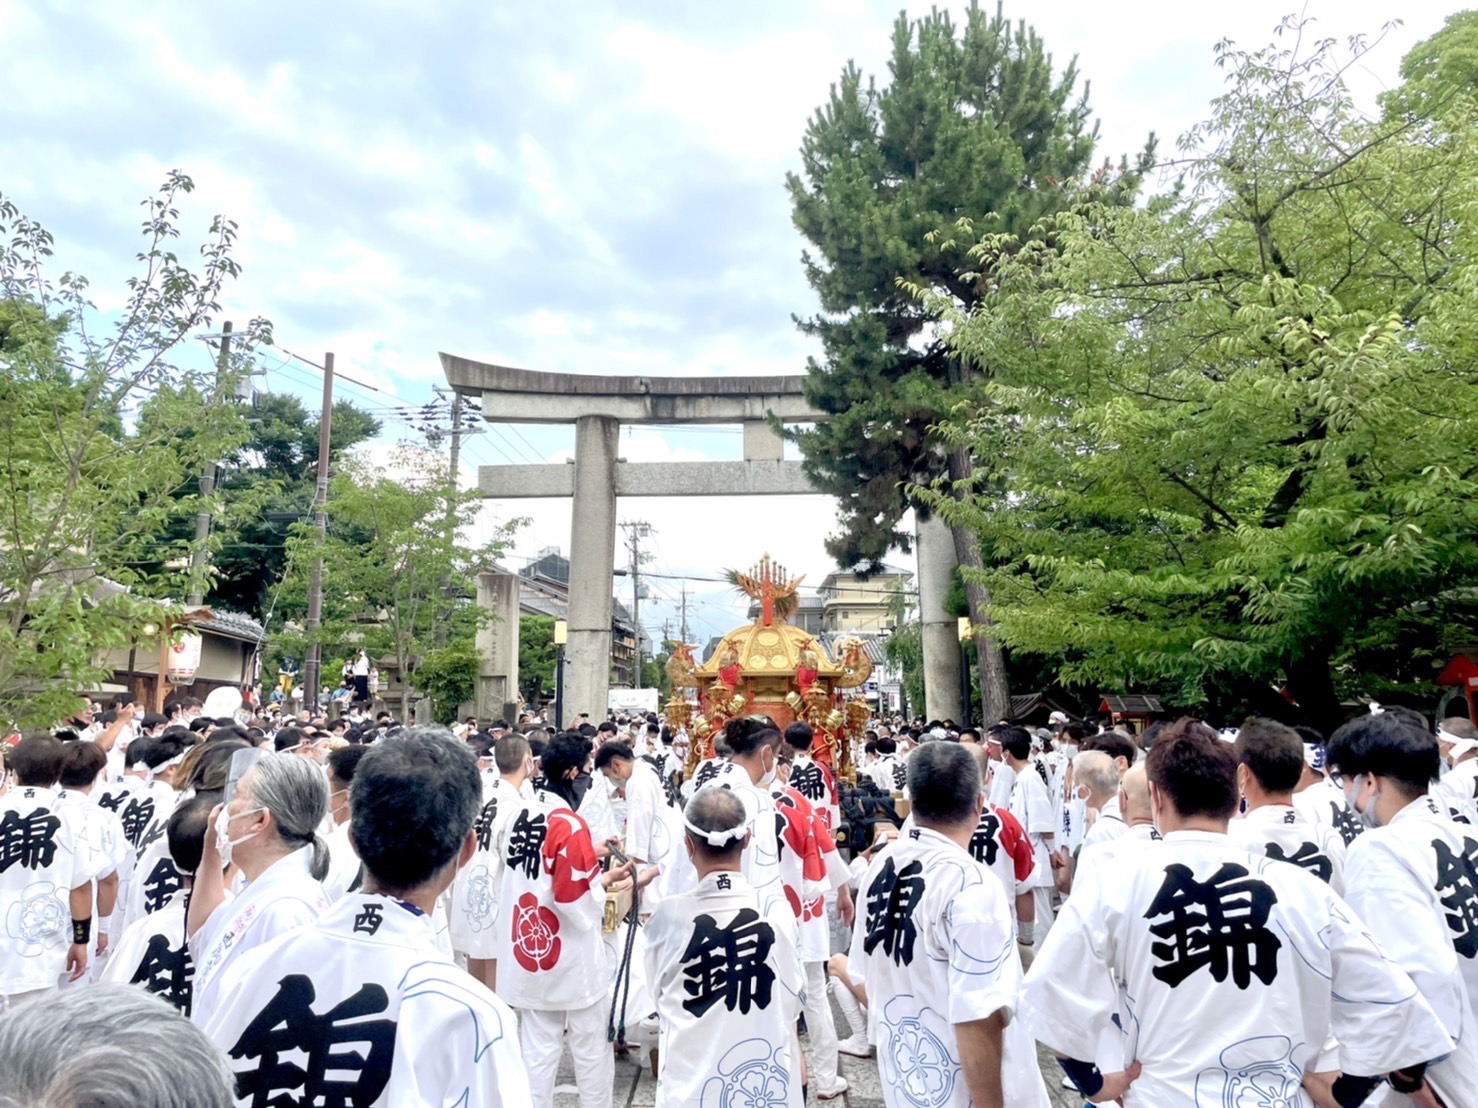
(101, 833)
(109, 1046)
(935, 950)
(551, 960)
(1039, 818)
(152, 952)
(46, 875)
(1232, 968)
(1096, 783)
(723, 974)
(1410, 878)
(812, 779)
(1270, 761)
(1139, 820)
(369, 972)
(888, 773)
(754, 744)
(1317, 798)
(1001, 846)
(343, 863)
(474, 913)
(1002, 780)
(650, 834)
(145, 796)
(268, 831)
(1457, 739)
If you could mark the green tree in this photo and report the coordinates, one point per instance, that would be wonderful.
(448, 675)
(975, 122)
(100, 426)
(536, 658)
(396, 576)
(1231, 433)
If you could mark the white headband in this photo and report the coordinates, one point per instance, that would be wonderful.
(1376, 709)
(716, 838)
(1460, 746)
(151, 771)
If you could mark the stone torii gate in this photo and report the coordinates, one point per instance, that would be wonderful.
(598, 406)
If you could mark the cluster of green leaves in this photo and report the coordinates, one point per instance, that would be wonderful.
(397, 578)
(1230, 433)
(102, 423)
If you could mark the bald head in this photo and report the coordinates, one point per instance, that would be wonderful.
(1134, 796)
(1098, 773)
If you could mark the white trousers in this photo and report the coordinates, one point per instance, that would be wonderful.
(1042, 899)
(821, 1030)
(541, 1034)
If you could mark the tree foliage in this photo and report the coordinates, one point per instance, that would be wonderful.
(1231, 433)
(536, 658)
(396, 574)
(101, 425)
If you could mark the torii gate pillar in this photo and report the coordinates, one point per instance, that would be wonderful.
(592, 559)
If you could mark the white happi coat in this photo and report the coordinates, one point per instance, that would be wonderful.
(760, 862)
(283, 898)
(1001, 846)
(474, 902)
(153, 953)
(343, 863)
(153, 880)
(1324, 803)
(818, 784)
(43, 857)
(889, 773)
(550, 905)
(1458, 789)
(653, 827)
(1278, 831)
(1108, 826)
(362, 1008)
(935, 946)
(1039, 817)
(724, 974)
(141, 805)
(1415, 884)
(1002, 782)
(101, 834)
(1227, 965)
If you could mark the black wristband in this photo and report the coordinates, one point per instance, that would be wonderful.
(1409, 1080)
(1085, 1075)
(81, 930)
(1351, 1091)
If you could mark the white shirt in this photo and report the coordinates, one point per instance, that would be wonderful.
(1108, 826)
(1226, 965)
(1324, 803)
(1002, 781)
(43, 857)
(412, 1028)
(343, 862)
(283, 898)
(1279, 832)
(725, 976)
(1458, 789)
(473, 911)
(889, 773)
(152, 953)
(1039, 818)
(935, 945)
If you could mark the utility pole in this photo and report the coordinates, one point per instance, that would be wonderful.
(684, 631)
(635, 532)
(313, 669)
(199, 558)
(451, 514)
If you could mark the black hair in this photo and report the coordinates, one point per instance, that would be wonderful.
(1017, 742)
(1387, 745)
(746, 736)
(1272, 753)
(870, 747)
(411, 805)
(1151, 735)
(188, 825)
(161, 749)
(289, 738)
(944, 783)
(37, 761)
(1114, 745)
(564, 753)
(1310, 736)
(1195, 770)
(610, 751)
(1410, 715)
(798, 736)
(886, 746)
(606, 728)
(81, 763)
(213, 767)
(200, 723)
(970, 731)
(1076, 730)
(343, 762)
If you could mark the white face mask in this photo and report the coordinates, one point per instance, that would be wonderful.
(1366, 814)
(768, 778)
(224, 842)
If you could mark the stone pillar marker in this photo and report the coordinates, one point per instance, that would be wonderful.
(496, 696)
(936, 554)
(592, 560)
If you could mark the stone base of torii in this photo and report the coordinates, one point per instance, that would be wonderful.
(598, 407)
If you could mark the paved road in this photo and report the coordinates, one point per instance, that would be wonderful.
(636, 1089)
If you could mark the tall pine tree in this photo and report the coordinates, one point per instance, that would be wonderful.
(974, 125)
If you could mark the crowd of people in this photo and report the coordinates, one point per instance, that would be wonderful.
(271, 911)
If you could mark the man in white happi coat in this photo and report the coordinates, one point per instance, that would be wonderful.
(1193, 972)
(723, 973)
(474, 902)
(361, 1007)
(1269, 763)
(935, 949)
(152, 951)
(552, 965)
(652, 826)
(1413, 879)
(1039, 817)
(1000, 844)
(816, 781)
(46, 874)
(888, 773)
(1317, 798)
(1457, 739)
(101, 836)
(269, 831)
(343, 863)
(1095, 782)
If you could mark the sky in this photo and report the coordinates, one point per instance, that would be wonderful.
(586, 188)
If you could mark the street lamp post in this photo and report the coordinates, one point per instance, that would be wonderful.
(966, 633)
(561, 636)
